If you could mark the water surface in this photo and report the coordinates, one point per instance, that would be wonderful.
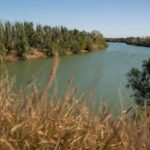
(102, 72)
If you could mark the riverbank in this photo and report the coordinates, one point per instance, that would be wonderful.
(23, 37)
(137, 41)
(36, 54)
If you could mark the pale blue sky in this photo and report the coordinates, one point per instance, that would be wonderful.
(114, 18)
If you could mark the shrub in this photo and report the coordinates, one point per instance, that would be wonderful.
(139, 81)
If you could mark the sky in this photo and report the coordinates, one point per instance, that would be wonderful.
(113, 18)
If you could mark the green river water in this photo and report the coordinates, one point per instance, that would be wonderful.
(103, 73)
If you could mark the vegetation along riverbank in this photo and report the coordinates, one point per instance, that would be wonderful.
(28, 41)
(138, 41)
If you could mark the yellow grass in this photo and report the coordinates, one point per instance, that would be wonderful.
(36, 121)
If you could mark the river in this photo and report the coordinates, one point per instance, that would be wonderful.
(103, 73)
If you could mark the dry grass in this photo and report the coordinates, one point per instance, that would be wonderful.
(37, 121)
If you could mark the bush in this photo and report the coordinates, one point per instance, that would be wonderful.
(139, 81)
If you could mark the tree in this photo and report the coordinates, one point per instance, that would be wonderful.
(22, 45)
(38, 37)
(29, 30)
(18, 38)
(9, 32)
(139, 81)
(2, 46)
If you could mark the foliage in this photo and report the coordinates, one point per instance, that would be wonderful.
(21, 44)
(20, 38)
(139, 41)
(139, 81)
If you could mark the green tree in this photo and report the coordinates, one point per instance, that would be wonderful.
(22, 45)
(29, 31)
(18, 39)
(2, 46)
(139, 81)
(9, 34)
(38, 37)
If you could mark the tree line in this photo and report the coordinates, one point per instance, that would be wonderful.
(18, 38)
(138, 41)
